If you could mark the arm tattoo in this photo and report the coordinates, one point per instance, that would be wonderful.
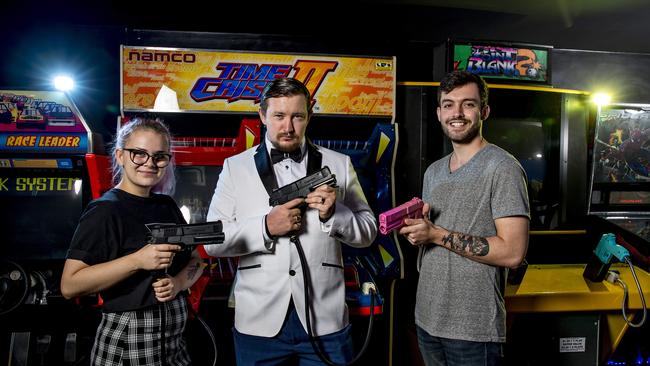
(467, 244)
(191, 271)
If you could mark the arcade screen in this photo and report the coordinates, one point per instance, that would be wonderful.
(524, 139)
(39, 214)
(621, 160)
(529, 140)
(622, 146)
(194, 189)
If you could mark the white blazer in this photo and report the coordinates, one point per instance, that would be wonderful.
(270, 275)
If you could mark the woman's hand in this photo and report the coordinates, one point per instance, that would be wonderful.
(165, 289)
(155, 257)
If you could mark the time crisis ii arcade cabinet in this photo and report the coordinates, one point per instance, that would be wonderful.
(202, 92)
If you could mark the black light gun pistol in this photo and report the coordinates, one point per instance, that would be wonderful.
(302, 187)
(187, 236)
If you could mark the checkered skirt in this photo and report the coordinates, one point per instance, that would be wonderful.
(133, 337)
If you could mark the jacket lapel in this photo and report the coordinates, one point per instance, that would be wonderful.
(265, 168)
(315, 158)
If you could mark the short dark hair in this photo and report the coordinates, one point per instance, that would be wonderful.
(284, 87)
(458, 78)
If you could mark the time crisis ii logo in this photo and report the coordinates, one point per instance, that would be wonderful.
(238, 81)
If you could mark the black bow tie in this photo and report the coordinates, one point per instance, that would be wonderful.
(277, 155)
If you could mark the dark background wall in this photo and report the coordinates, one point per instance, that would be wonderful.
(625, 75)
(597, 45)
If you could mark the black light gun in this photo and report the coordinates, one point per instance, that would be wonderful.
(187, 236)
(302, 187)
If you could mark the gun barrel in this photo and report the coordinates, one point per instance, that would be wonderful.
(208, 237)
(387, 227)
(331, 180)
(187, 235)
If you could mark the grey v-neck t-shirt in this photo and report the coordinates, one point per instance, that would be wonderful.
(459, 298)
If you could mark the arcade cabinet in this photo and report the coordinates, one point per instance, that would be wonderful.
(545, 128)
(620, 200)
(371, 142)
(203, 135)
(559, 313)
(620, 196)
(51, 166)
(556, 316)
(204, 93)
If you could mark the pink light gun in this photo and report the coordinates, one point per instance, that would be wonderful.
(393, 219)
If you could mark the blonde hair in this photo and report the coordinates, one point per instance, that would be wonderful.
(168, 182)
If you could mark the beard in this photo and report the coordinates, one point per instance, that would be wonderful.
(464, 137)
(284, 145)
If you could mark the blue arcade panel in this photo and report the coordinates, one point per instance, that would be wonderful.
(372, 160)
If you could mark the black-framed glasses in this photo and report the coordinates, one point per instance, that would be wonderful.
(140, 157)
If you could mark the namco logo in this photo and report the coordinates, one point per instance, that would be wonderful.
(162, 56)
(384, 65)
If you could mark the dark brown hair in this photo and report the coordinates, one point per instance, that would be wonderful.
(284, 87)
(458, 78)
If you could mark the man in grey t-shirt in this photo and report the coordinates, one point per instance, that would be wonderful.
(475, 224)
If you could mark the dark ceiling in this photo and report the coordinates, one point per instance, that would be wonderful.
(563, 8)
(607, 25)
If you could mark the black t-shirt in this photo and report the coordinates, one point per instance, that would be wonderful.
(113, 226)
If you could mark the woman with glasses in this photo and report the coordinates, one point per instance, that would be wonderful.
(142, 285)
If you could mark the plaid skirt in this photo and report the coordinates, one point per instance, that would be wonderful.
(134, 337)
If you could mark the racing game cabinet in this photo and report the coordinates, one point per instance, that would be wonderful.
(51, 166)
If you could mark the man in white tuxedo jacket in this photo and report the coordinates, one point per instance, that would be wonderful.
(270, 323)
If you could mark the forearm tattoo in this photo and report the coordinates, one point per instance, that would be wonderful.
(191, 271)
(470, 245)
